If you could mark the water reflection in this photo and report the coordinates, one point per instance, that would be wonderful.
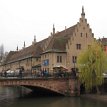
(15, 97)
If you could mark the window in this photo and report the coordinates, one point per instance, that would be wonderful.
(83, 28)
(74, 59)
(48, 69)
(86, 35)
(89, 46)
(78, 46)
(37, 59)
(81, 34)
(59, 59)
(68, 46)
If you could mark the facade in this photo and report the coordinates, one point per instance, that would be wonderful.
(59, 49)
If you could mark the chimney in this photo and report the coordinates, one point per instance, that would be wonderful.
(53, 29)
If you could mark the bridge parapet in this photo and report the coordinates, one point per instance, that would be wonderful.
(64, 86)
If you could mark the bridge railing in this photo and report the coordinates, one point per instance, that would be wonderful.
(37, 75)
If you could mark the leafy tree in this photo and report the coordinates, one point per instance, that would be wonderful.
(92, 63)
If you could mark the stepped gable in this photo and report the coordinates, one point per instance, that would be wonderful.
(59, 40)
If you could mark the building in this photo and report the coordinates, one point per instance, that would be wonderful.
(59, 49)
(104, 43)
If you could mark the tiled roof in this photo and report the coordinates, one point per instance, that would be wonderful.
(103, 41)
(58, 42)
(8, 58)
(31, 51)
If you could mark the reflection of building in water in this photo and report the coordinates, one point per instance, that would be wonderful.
(9, 92)
(59, 49)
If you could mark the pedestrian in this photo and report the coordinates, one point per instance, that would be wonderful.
(5, 73)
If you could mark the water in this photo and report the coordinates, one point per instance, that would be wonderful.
(15, 97)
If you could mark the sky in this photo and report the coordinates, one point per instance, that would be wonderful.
(20, 20)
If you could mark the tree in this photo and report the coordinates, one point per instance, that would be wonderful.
(92, 63)
(1, 52)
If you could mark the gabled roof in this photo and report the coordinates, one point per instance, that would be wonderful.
(57, 43)
(31, 51)
(59, 40)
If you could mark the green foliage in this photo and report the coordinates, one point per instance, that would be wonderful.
(92, 63)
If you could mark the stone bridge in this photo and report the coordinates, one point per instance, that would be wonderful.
(62, 86)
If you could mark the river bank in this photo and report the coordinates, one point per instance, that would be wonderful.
(13, 97)
(102, 98)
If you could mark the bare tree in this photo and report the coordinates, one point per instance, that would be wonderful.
(1, 52)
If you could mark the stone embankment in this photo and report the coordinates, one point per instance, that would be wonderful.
(96, 97)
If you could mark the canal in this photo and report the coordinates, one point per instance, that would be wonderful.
(20, 97)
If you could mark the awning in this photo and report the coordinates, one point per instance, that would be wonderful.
(60, 66)
(36, 66)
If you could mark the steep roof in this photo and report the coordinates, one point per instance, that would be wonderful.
(11, 53)
(31, 51)
(57, 42)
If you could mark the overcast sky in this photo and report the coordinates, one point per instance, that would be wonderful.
(20, 20)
